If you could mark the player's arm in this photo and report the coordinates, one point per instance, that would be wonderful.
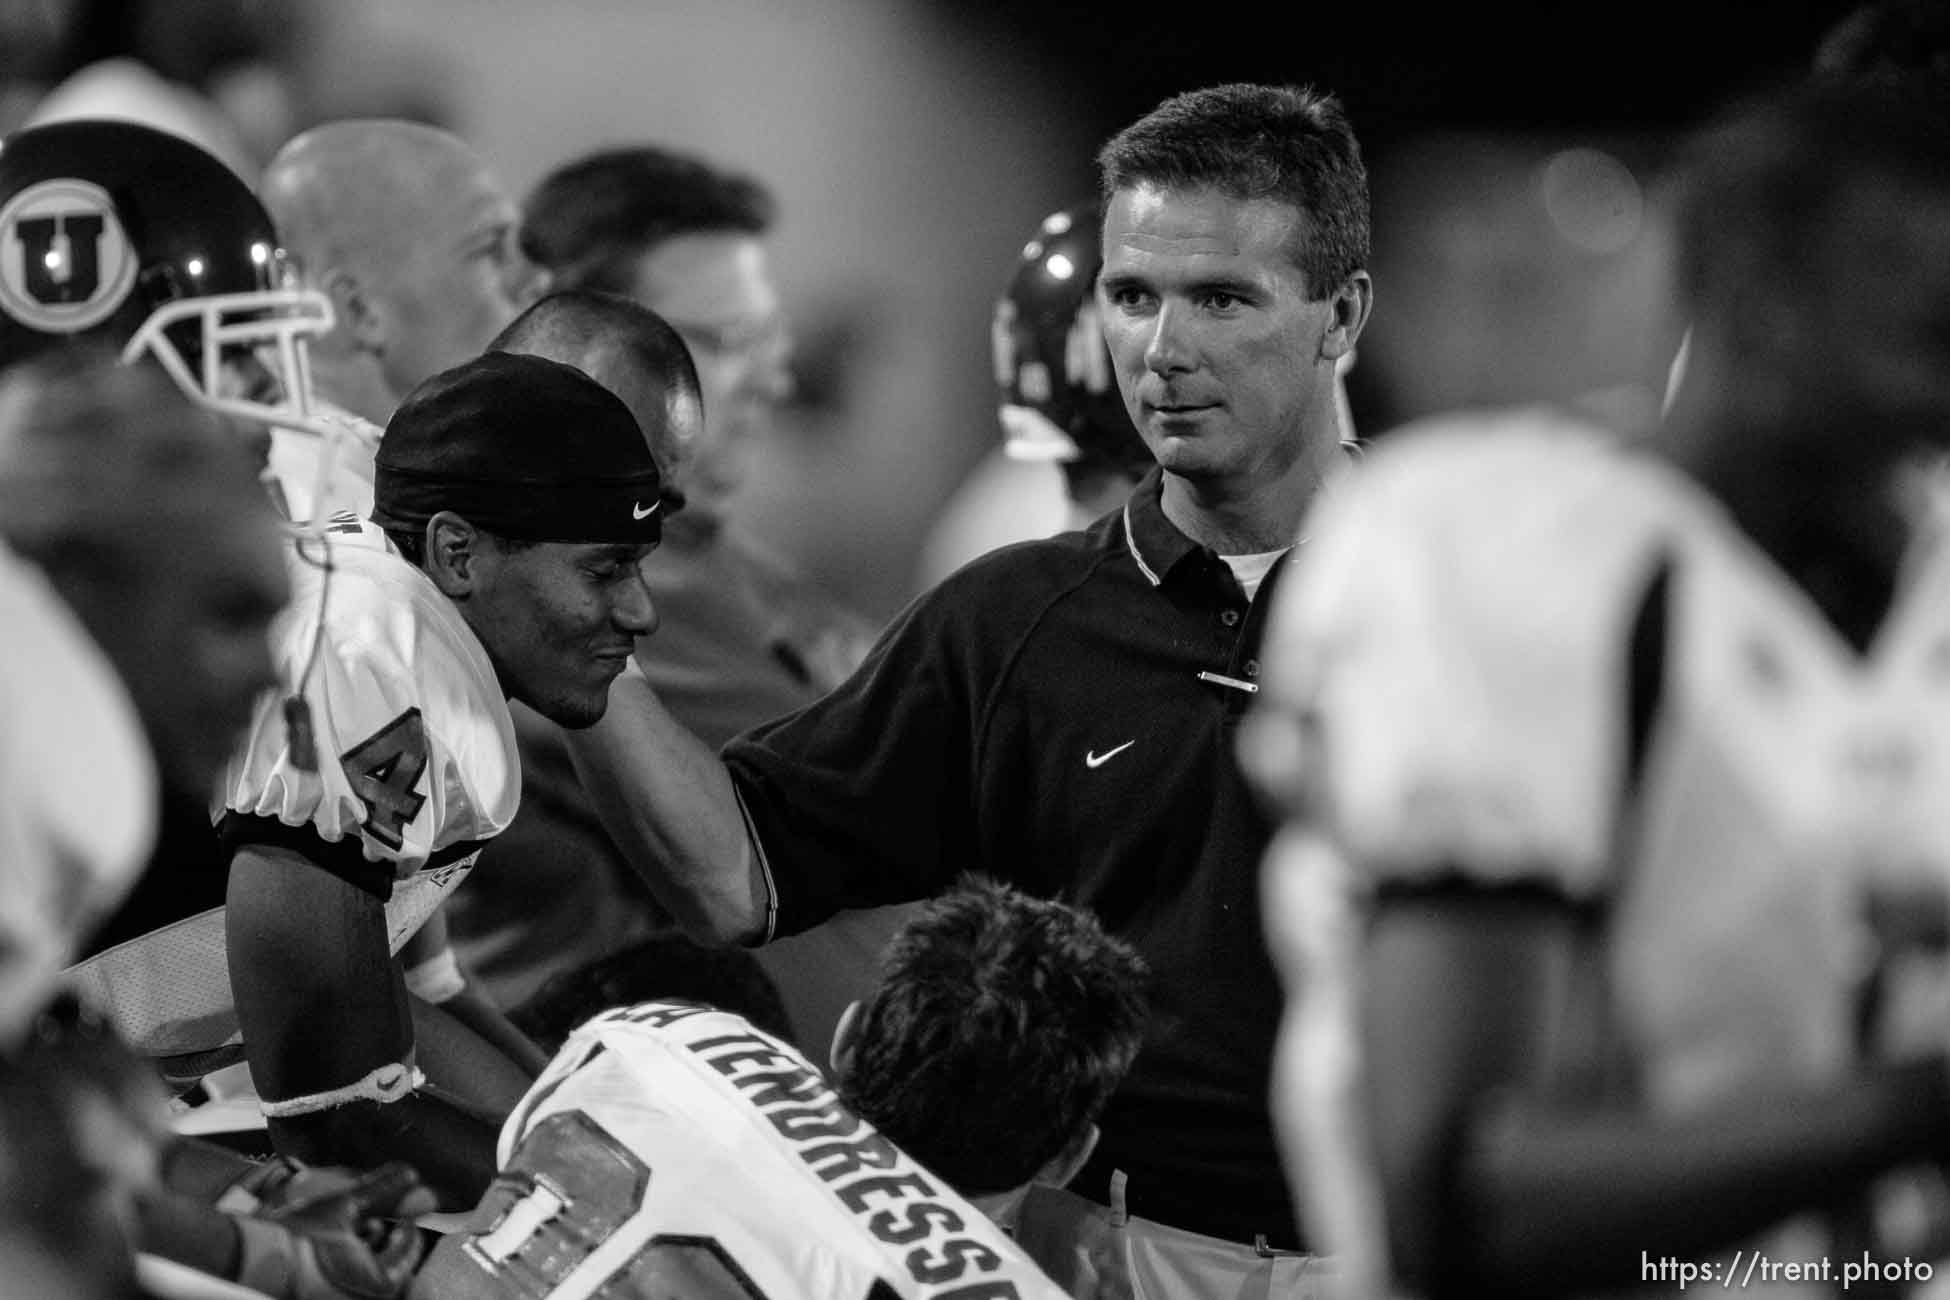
(292, 1234)
(1489, 1191)
(434, 975)
(327, 1026)
(668, 802)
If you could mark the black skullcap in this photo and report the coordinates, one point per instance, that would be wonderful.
(522, 447)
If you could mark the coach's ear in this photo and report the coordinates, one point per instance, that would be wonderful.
(453, 548)
(1351, 304)
(845, 1034)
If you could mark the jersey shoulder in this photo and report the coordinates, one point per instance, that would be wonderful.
(1458, 623)
(411, 750)
(781, 1189)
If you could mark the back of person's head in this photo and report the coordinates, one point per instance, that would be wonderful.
(148, 517)
(628, 349)
(94, 452)
(591, 219)
(999, 1028)
(1289, 144)
(1818, 204)
(1890, 42)
(665, 967)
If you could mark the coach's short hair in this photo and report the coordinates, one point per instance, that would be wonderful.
(1291, 144)
(1000, 1026)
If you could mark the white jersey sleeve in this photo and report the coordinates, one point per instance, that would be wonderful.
(674, 1149)
(77, 790)
(413, 763)
(412, 768)
(1458, 624)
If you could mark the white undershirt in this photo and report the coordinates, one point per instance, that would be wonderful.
(1251, 570)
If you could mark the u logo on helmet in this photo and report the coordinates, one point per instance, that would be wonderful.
(65, 262)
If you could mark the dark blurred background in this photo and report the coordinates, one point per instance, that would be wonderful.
(914, 144)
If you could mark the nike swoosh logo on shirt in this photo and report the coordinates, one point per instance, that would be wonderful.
(1094, 759)
(637, 512)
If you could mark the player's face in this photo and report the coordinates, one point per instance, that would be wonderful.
(1213, 333)
(466, 279)
(190, 634)
(560, 620)
(716, 292)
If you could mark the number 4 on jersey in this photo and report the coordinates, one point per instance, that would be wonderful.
(383, 769)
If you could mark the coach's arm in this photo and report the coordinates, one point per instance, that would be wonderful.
(668, 802)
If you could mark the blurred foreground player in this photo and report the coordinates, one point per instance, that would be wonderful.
(147, 522)
(674, 1149)
(1614, 774)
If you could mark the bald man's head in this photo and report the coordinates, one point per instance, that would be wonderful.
(408, 231)
(628, 349)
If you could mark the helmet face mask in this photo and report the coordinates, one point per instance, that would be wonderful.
(112, 231)
(1059, 396)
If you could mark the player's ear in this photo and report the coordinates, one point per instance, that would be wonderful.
(846, 1034)
(1070, 1161)
(453, 554)
(1350, 305)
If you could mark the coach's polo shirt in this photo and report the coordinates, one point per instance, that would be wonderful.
(1047, 715)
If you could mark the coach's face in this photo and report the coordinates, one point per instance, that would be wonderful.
(559, 620)
(1221, 347)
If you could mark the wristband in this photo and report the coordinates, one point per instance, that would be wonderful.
(436, 979)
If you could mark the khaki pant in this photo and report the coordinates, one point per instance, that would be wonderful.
(1104, 1253)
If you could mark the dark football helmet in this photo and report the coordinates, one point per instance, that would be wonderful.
(1059, 398)
(117, 232)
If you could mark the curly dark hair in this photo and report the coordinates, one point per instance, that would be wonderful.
(1000, 1027)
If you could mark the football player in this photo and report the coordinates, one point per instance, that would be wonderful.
(1613, 773)
(673, 1148)
(119, 233)
(514, 500)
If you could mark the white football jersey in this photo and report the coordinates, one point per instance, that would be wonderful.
(296, 469)
(412, 768)
(77, 790)
(1461, 624)
(672, 1149)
